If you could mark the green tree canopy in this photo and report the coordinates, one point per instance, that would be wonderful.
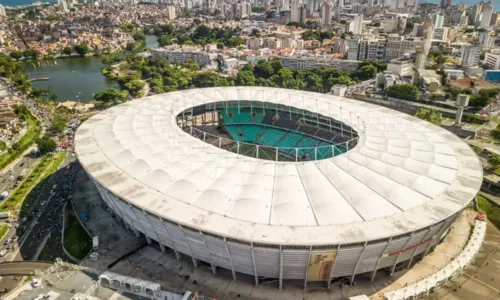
(67, 50)
(46, 145)
(245, 78)
(111, 97)
(59, 122)
(263, 69)
(403, 91)
(430, 115)
(494, 159)
(17, 55)
(82, 49)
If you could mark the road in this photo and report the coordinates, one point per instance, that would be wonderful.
(40, 219)
(26, 162)
(22, 267)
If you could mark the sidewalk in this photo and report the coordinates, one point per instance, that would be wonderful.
(18, 291)
(444, 253)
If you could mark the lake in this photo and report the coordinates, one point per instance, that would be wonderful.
(72, 79)
(151, 41)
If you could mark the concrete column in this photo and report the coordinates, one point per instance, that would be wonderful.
(380, 258)
(307, 268)
(136, 232)
(397, 258)
(255, 268)
(148, 239)
(162, 247)
(357, 263)
(230, 259)
(329, 282)
(281, 269)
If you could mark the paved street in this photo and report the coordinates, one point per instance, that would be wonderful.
(44, 216)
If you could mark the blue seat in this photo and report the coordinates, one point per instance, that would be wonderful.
(232, 116)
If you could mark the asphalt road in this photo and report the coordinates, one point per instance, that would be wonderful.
(38, 220)
(22, 268)
(26, 162)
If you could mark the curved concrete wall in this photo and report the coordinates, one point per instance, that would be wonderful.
(276, 261)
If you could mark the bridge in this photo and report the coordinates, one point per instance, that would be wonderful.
(15, 268)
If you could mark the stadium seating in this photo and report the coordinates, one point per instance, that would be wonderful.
(232, 116)
(293, 135)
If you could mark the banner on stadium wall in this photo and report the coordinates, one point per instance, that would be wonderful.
(320, 266)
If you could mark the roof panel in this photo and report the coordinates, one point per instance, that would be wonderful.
(404, 173)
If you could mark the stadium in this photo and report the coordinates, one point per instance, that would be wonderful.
(279, 184)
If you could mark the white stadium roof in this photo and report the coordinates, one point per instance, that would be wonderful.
(404, 173)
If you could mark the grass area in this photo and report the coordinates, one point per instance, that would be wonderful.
(24, 143)
(491, 210)
(3, 231)
(44, 168)
(76, 240)
(56, 162)
(45, 255)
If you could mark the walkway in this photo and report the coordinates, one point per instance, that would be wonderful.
(444, 253)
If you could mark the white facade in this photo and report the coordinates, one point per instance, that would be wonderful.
(310, 63)
(441, 33)
(358, 24)
(2, 10)
(492, 61)
(171, 12)
(485, 39)
(254, 43)
(181, 55)
(401, 67)
(438, 20)
(486, 15)
(470, 55)
(326, 13)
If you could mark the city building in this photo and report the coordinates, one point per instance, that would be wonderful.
(441, 34)
(171, 12)
(273, 43)
(326, 13)
(470, 55)
(339, 90)
(254, 43)
(180, 55)
(486, 15)
(485, 39)
(2, 11)
(291, 220)
(438, 20)
(311, 63)
(401, 66)
(492, 60)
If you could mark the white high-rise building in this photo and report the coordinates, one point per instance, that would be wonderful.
(486, 17)
(326, 13)
(171, 12)
(358, 24)
(63, 5)
(428, 32)
(470, 55)
(438, 20)
(2, 10)
(294, 11)
(485, 39)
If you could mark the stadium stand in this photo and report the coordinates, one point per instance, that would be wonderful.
(232, 116)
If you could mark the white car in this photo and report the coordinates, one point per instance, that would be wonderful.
(2, 253)
(35, 283)
(15, 239)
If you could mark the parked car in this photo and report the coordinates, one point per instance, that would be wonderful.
(3, 252)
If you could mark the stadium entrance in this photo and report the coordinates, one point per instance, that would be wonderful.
(268, 131)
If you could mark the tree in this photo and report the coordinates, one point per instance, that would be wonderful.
(277, 65)
(82, 49)
(365, 72)
(17, 55)
(111, 97)
(245, 78)
(67, 50)
(134, 87)
(46, 145)
(402, 91)
(494, 159)
(59, 123)
(263, 69)
(430, 115)
(139, 37)
(31, 54)
(255, 32)
(165, 40)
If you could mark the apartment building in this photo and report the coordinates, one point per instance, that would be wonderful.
(254, 43)
(180, 55)
(470, 55)
(310, 63)
(381, 49)
(492, 60)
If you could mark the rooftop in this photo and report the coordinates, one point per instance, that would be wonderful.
(403, 175)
